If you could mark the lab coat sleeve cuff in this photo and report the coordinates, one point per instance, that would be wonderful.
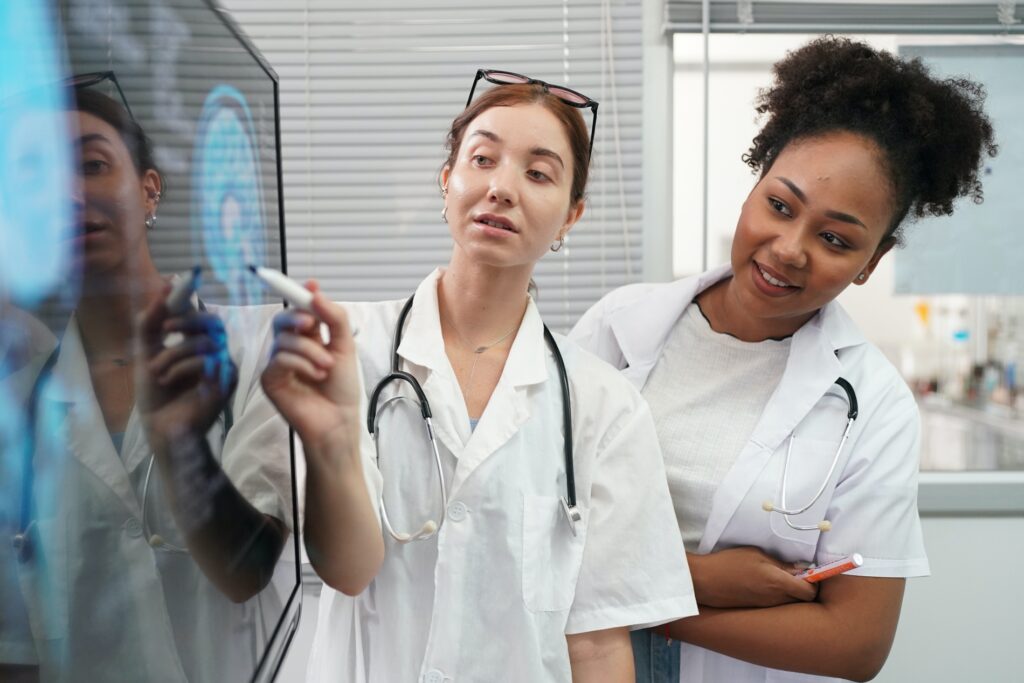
(270, 504)
(900, 568)
(634, 616)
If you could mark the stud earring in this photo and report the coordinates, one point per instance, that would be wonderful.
(862, 277)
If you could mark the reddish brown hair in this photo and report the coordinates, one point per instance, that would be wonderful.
(512, 95)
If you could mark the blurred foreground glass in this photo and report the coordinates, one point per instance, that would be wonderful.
(143, 538)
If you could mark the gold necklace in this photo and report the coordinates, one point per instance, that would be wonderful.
(479, 351)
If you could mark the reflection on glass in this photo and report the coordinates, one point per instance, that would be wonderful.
(33, 157)
(145, 480)
(226, 191)
(35, 168)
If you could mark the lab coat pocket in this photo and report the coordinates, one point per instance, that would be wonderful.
(809, 463)
(552, 555)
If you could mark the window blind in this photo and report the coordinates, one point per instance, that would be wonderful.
(870, 16)
(368, 91)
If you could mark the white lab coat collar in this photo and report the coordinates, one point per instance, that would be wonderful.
(508, 408)
(642, 327)
(423, 344)
(71, 387)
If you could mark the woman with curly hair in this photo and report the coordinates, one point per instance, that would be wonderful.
(753, 372)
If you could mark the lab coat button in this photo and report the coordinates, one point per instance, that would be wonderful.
(133, 528)
(433, 676)
(457, 511)
(22, 547)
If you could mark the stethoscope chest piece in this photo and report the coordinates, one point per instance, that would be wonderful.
(21, 543)
(572, 514)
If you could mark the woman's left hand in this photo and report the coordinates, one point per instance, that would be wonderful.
(183, 387)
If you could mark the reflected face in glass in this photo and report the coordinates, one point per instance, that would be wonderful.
(112, 199)
(508, 193)
(809, 228)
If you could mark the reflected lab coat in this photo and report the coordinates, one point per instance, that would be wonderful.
(105, 606)
(871, 499)
(492, 597)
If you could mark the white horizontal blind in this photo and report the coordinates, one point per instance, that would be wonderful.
(867, 16)
(368, 91)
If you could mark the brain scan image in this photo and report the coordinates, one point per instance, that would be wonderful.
(227, 199)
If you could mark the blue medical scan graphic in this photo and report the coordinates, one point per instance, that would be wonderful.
(227, 199)
(37, 224)
(35, 156)
(36, 166)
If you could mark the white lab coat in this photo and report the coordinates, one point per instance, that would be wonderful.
(25, 344)
(871, 499)
(105, 606)
(493, 596)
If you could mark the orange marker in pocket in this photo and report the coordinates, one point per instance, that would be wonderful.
(825, 571)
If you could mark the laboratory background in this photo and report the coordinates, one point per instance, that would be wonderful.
(307, 136)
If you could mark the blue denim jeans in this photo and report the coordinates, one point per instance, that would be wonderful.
(655, 658)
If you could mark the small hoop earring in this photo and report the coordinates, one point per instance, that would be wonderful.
(862, 277)
(150, 222)
(444, 213)
(558, 245)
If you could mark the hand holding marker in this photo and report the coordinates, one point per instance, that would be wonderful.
(288, 289)
(180, 296)
(825, 571)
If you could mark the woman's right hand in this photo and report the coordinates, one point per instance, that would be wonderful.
(747, 577)
(313, 383)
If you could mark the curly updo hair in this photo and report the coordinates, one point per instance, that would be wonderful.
(932, 132)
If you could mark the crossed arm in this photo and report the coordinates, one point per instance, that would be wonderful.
(753, 608)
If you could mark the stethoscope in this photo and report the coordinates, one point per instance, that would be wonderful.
(823, 525)
(21, 541)
(431, 528)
